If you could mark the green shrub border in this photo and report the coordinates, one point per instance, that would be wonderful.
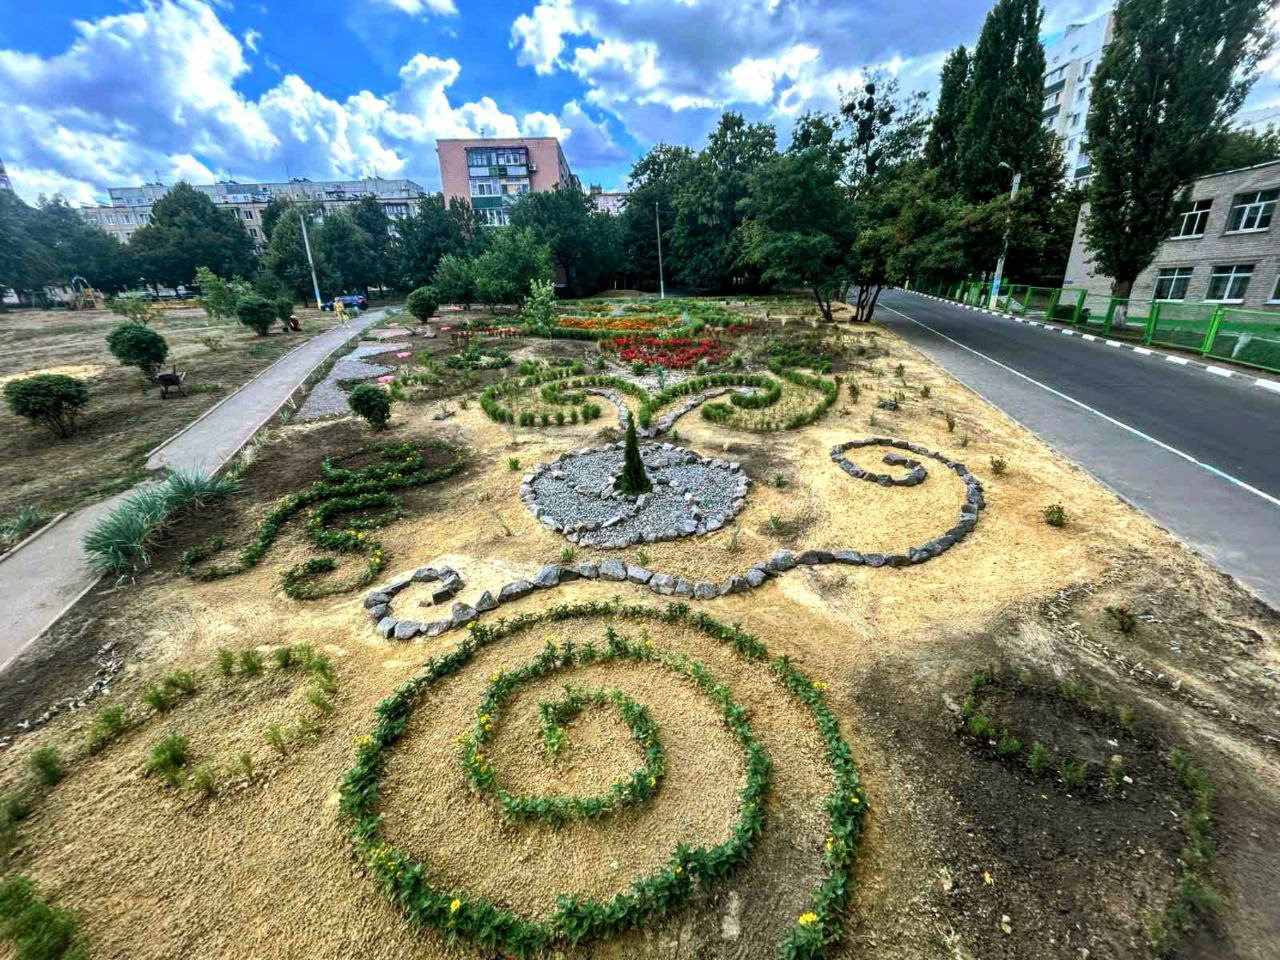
(340, 490)
(643, 782)
(405, 881)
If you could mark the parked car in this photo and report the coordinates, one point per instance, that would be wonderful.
(348, 300)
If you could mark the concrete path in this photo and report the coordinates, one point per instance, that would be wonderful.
(39, 582)
(1198, 453)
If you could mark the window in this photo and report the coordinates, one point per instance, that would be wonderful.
(1191, 219)
(248, 214)
(1081, 94)
(1252, 211)
(1275, 292)
(253, 232)
(1084, 71)
(1075, 120)
(484, 188)
(1171, 283)
(1052, 100)
(1229, 283)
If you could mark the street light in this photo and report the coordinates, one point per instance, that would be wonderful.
(995, 282)
(657, 222)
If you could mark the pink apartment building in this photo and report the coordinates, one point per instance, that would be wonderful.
(494, 172)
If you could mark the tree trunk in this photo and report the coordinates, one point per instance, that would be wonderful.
(1122, 287)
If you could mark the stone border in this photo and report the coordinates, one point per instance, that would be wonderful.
(671, 585)
(378, 603)
(580, 532)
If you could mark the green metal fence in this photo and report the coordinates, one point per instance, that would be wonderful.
(1183, 325)
(1251, 337)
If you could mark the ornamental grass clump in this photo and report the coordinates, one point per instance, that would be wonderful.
(169, 758)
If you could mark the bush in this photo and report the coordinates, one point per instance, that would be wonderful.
(135, 309)
(284, 310)
(36, 930)
(49, 399)
(423, 303)
(539, 308)
(48, 766)
(169, 758)
(107, 726)
(1055, 515)
(634, 480)
(137, 346)
(256, 313)
(372, 404)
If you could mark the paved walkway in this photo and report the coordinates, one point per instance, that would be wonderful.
(40, 581)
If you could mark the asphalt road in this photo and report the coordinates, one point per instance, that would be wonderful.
(1198, 453)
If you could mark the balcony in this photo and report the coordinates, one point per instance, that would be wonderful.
(1051, 88)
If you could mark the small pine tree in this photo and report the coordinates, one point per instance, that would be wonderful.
(634, 480)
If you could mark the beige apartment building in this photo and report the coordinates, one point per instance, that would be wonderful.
(1225, 246)
(492, 173)
(130, 207)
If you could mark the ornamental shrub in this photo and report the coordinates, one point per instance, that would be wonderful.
(256, 313)
(50, 399)
(539, 310)
(284, 310)
(137, 346)
(634, 480)
(423, 303)
(372, 404)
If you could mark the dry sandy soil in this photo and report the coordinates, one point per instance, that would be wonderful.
(124, 418)
(966, 855)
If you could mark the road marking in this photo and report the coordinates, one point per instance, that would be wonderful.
(1096, 412)
(1268, 385)
(1144, 351)
(1114, 343)
(1181, 361)
(1220, 371)
(1088, 336)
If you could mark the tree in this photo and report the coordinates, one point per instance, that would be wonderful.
(275, 209)
(371, 217)
(49, 399)
(137, 346)
(705, 245)
(1002, 132)
(429, 233)
(455, 280)
(257, 313)
(285, 269)
(219, 297)
(1174, 74)
(949, 116)
(371, 403)
(578, 237)
(655, 180)
(349, 252)
(514, 260)
(422, 303)
(539, 307)
(50, 243)
(799, 229)
(634, 480)
(188, 231)
(1234, 149)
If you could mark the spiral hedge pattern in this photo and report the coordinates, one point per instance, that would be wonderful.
(415, 885)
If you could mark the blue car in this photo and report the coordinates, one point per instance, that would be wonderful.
(348, 300)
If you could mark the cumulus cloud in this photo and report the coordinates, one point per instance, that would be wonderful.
(416, 8)
(154, 92)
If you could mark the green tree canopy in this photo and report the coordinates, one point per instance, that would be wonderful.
(952, 110)
(506, 271)
(430, 232)
(349, 252)
(187, 231)
(655, 180)
(284, 264)
(371, 217)
(565, 220)
(1174, 74)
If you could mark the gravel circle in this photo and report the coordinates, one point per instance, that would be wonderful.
(575, 495)
(327, 398)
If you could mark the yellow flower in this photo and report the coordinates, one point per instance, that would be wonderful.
(471, 625)
(653, 781)
(678, 870)
(820, 684)
(493, 678)
(808, 918)
(363, 740)
(855, 799)
(484, 718)
(479, 757)
(453, 907)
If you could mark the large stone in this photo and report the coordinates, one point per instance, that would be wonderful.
(426, 574)
(515, 590)
(462, 613)
(847, 556)
(589, 571)
(782, 560)
(811, 557)
(547, 577)
(638, 574)
(486, 602)
(873, 559)
(395, 586)
(568, 574)
(663, 583)
(613, 570)
(444, 592)
(386, 627)
(436, 627)
(407, 629)
(754, 577)
(684, 588)
(703, 590)
(376, 598)
(380, 611)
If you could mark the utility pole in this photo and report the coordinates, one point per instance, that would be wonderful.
(995, 282)
(657, 222)
(315, 284)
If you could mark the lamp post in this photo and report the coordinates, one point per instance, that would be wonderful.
(657, 222)
(995, 282)
(315, 284)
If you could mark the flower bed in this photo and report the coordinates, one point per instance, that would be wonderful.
(674, 353)
(621, 324)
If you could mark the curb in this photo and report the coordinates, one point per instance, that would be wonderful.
(31, 537)
(1219, 371)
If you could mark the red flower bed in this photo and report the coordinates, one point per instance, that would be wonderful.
(672, 352)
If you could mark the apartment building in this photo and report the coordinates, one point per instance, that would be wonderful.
(130, 207)
(1225, 246)
(1070, 63)
(492, 173)
(612, 202)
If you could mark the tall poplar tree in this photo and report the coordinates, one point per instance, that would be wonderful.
(1002, 132)
(1174, 74)
(949, 117)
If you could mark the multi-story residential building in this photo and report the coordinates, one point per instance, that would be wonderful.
(4, 179)
(130, 207)
(610, 202)
(1225, 245)
(492, 173)
(1070, 63)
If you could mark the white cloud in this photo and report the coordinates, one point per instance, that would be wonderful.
(153, 92)
(416, 8)
(539, 37)
(251, 38)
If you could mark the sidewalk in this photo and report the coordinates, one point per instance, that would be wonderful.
(40, 581)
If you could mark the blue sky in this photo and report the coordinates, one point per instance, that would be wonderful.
(99, 93)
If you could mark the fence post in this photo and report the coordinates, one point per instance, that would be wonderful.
(1054, 296)
(1153, 318)
(1075, 314)
(1212, 333)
